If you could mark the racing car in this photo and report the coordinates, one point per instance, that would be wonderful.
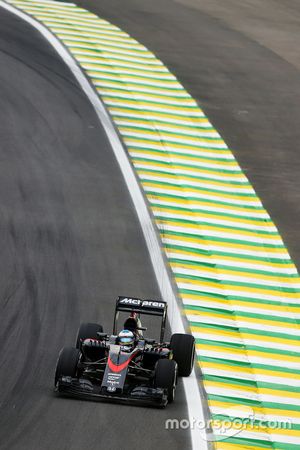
(125, 367)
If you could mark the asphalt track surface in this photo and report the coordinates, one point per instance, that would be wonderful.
(241, 62)
(70, 243)
(66, 234)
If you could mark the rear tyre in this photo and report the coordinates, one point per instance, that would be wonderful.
(86, 331)
(166, 377)
(67, 363)
(183, 348)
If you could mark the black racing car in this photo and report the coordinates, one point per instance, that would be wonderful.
(100, 367)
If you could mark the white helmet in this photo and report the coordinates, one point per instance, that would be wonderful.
(126, 339)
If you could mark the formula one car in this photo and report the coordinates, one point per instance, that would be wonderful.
(125, 367)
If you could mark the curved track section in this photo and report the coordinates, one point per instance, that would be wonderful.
(229, 262)
(70, 243)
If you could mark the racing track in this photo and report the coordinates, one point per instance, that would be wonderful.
(70, 243)
(242, 63)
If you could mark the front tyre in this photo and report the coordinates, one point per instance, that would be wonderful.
(67, 363)
(183, 348)
(88, 331)
(166, 377)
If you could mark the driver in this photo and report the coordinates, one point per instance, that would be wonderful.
(126, 340)
(133, 323)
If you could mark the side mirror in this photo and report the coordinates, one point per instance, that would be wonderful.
(113, 339)
(101, 336)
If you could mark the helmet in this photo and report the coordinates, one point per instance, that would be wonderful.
(126, 340)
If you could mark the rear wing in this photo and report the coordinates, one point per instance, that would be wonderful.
(152, 307)
(137, 305)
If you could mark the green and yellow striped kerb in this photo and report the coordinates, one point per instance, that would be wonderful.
(239, 287)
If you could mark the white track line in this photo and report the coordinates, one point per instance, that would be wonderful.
(194, 400)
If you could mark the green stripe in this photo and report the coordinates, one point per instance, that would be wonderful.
(211, 148)
(246, 258)
(253, 443)
(201, 190)
(151, 79)
(243, 347)
(233, 269)
(224, 240)
(248, 402)
(242, 284)
(199, 178)
(251, 384)
(256, 333)
(233, 314)
(164, 121)
(187, 166)
(204, 200)
(233, 363)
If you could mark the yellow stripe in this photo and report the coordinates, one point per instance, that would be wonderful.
(146, 95)
(166, 134)
(158, 114)
(248, 352)
(230, 446)
(253, 389)
(237, 317)
(219, 228)
(232, 272)
(234, 259)
(250, 370)
(201, 191)
(187, 178)
(180, 128)
(241, 335)
(206, 241)
(176, 157)
(257, 410)
(195, 169)
(255, 428)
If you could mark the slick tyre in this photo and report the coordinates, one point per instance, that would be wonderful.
(67, 363)
(166, 377)
(183, 348)
(86, 331)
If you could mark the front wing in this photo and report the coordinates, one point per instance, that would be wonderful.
(85, 389)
